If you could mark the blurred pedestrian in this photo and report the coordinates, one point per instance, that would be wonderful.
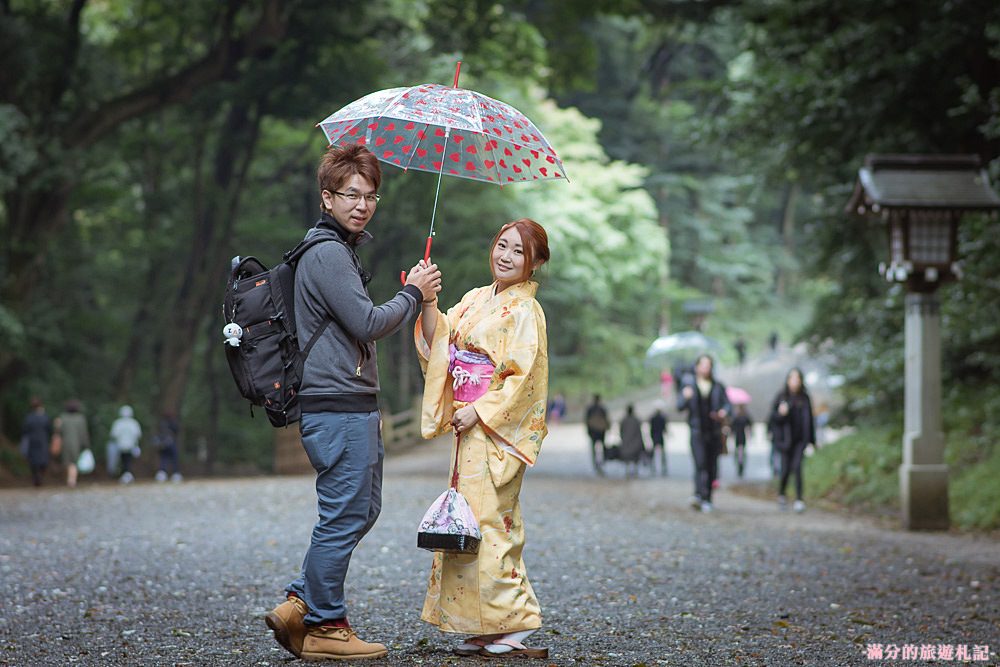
(793, 429)
(822, 421)
(633, 449)
(666, 383)
(71, 425)
(113, 458)
(705, 400)
(772, 341)
(596, 419)
(657, 435)
(36, 437)
(126, 432)
(741, 350)
(557, 408)
(742, 423)
(166, 443)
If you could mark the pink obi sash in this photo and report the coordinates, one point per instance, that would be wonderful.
(472, 372)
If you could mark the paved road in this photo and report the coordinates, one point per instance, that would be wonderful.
(626, 573)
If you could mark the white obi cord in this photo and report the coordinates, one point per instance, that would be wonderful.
(463, 376)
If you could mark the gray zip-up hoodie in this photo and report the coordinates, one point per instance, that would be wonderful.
(341, 373)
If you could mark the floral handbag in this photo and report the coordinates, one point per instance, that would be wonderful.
(449, 524)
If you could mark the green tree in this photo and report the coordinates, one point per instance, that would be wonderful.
(75, 74)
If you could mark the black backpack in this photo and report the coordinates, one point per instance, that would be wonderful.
(263, 349)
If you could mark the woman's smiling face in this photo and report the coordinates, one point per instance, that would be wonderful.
(507, 260)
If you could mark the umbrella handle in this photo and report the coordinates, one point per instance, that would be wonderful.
(427, 258)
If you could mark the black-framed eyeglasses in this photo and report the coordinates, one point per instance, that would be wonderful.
(354, 197)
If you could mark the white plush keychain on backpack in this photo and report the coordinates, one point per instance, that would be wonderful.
(233, 333)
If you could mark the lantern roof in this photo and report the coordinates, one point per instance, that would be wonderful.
(941, 182)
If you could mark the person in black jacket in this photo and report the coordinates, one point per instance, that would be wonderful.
(657, 431)
(792, 430)
(705, 400)
(597, 423)
(742, 423)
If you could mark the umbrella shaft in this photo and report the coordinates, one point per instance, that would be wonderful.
(437, 192)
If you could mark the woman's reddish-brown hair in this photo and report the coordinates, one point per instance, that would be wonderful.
(339, 163)
(534, 241)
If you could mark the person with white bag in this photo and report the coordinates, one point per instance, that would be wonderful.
(74, 434)
(126, 432)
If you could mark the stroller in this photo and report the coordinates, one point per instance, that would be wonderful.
(612, 451)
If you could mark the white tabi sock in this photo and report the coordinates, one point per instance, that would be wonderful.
(518, 637)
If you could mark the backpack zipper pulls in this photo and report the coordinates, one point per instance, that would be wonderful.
(362, 353)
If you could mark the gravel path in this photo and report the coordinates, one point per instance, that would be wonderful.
(626, 573)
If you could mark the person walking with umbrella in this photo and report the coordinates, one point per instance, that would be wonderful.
(339, 399)
(485, 363)
(704, 399)
(793, 429)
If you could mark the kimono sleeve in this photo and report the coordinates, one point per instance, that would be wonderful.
(512, 412)
(436, 407)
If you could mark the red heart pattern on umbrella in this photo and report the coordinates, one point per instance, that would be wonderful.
(474, 132)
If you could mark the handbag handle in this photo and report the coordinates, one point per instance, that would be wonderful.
(454, 475)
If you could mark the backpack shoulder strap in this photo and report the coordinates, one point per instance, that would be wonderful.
(295, 254)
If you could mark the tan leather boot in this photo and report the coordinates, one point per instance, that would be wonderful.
(286, 621)
(338, 644)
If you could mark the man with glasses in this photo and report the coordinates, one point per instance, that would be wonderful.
(338, 396)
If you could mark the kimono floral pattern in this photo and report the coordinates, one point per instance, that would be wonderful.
(489, 592)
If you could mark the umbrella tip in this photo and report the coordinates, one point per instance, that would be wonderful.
(458, 68)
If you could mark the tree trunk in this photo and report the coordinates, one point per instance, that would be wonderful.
(139, 338)
(33, 217)
(787, 236)
(36, 205)
(205, 271)
(663, 320)
(212, 381)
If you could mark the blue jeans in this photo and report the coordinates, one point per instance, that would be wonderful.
(168, 459)
(346, 450)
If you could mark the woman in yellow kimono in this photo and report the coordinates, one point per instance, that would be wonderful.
(491, 350)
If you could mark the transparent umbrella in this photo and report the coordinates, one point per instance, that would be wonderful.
(681, 346)
(449, 132)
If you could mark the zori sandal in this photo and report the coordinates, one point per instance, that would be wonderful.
(471, 646)
(503, 648)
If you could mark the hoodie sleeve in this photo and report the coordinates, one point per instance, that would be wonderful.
(333, 281)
